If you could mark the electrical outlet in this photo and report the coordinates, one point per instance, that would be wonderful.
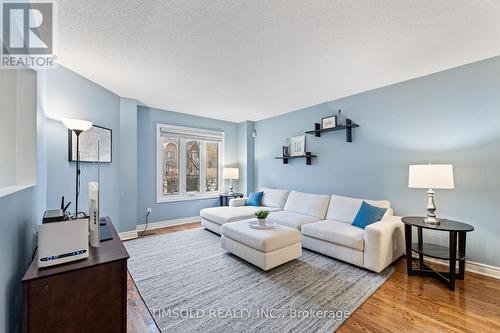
(148, 210)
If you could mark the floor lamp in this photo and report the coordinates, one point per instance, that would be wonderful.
(78, 127)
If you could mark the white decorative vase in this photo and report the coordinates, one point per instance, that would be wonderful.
(262, 222)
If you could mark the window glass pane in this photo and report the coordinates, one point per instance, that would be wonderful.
(212, 164)
(171, 178)
(192, 165)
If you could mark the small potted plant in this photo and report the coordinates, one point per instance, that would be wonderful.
(261, 216)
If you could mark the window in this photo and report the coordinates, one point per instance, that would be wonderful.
(189, 163)
(192, 166)
(212, 183)
(170, 165)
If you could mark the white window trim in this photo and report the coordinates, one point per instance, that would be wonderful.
(185, 196)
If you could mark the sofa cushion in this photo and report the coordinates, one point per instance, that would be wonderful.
(291, 219)
(221, 215)
(273, 197)
(344, 209)
(262, 240)
(367, 215)
(336, 232)
(308, 204)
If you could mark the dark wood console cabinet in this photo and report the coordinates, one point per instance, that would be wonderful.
(83, 296)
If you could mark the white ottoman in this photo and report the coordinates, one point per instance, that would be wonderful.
(263, 248)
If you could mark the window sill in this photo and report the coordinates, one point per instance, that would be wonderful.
(188, 198)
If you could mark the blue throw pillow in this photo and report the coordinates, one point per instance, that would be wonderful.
(367, 215)
(254, 199)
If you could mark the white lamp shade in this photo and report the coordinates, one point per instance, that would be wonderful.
(431, 176)
(77, 124)
(231, 173)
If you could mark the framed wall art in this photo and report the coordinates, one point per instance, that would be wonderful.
(329, 122)
(88, 145)
(297, 145)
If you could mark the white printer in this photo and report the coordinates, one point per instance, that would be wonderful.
(63, 241)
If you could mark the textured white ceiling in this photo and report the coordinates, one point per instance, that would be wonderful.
(248, 60)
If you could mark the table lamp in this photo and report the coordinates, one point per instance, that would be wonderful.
(231, 173)
(78, 127)
(431, 176)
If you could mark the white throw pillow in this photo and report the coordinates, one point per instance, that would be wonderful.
(345, 209)
(274, 197)
(308, 204)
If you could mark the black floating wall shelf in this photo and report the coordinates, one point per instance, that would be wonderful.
(307, 156)
(348, 127)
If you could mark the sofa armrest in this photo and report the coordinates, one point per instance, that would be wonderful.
(237, 202)
(384, 243)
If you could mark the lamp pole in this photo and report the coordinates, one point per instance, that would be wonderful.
(77, 185)
(78, 127)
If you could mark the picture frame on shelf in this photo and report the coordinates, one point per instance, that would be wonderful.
(329, 122)
(297, 145)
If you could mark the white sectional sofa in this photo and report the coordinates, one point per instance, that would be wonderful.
(325, 225)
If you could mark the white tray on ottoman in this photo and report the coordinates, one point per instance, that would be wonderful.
(263, 248)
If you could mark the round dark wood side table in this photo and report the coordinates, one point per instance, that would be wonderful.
(224, 198)
(450, 253)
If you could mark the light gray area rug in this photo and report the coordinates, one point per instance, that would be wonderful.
(190, 284)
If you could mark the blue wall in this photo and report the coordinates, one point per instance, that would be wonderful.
(19, 213)
(128, 164)
(18, 220)
(448, 117)
(70, 95)
(146, 147)
(246, 156)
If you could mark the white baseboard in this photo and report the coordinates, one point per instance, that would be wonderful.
(169, 223)
(474, 267)
(127, 235)
(488, 270)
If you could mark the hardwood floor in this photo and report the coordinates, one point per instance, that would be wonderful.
(402, 304)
